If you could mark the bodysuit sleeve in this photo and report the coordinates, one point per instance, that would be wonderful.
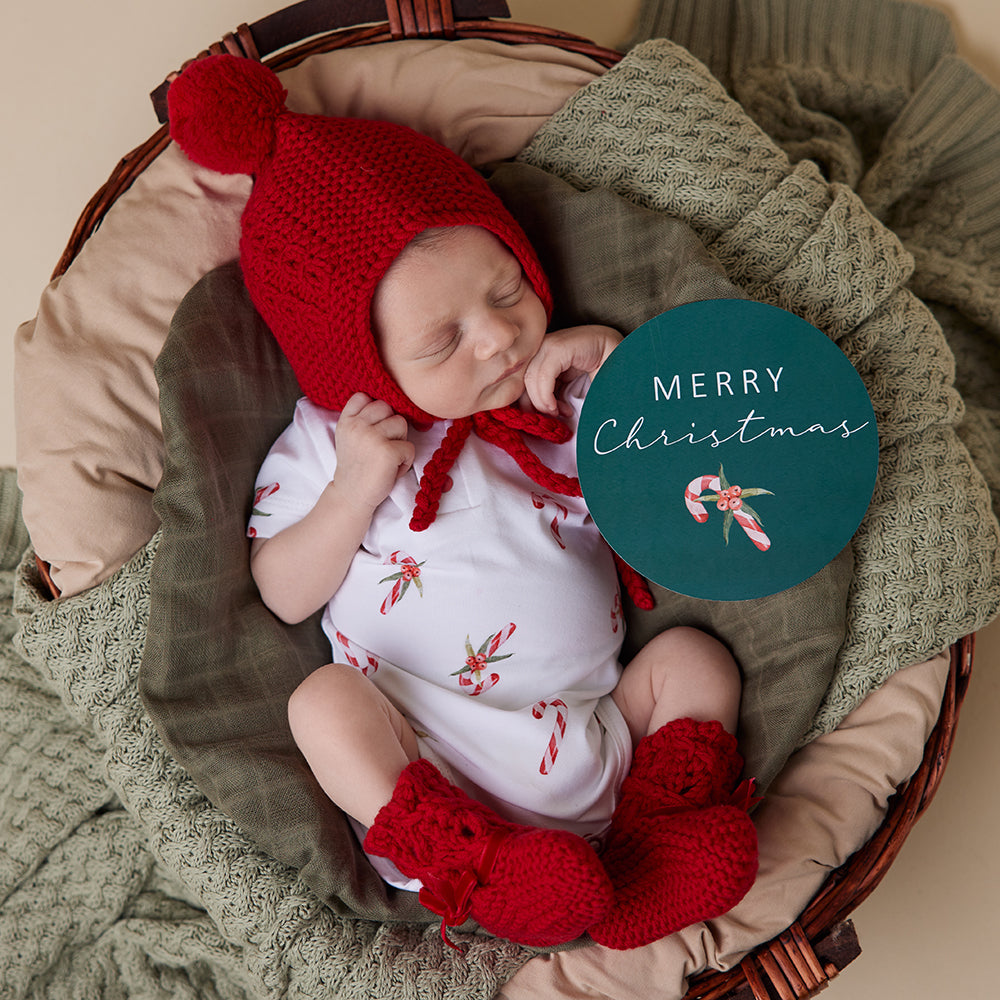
(297, 469)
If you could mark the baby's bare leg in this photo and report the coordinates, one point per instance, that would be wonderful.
(354, 740)
(681, 673)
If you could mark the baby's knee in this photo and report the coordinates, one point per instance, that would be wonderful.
(691, 660)
(696, 649)
(333, 687)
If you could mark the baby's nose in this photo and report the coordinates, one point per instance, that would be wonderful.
(497, 334)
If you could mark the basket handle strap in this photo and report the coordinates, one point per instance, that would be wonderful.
(406, 19)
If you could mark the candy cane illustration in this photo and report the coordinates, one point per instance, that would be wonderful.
(692, 496)
(409, 573)
(471, 675)
(753, 530)
(539, 500)
(731, 500)
(261, 493)
(617, 614)
(355, 655)
(558, 731)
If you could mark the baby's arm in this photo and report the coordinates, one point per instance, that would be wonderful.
(299, 569)
(564, 355)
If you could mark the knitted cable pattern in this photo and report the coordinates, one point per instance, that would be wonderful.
(661, 132)
(170, 846)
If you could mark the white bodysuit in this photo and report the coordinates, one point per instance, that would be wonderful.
(496, 631)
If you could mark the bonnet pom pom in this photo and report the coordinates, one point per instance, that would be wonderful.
(223, 112)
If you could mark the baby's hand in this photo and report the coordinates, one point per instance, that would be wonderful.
(372, 450)
(564, 355)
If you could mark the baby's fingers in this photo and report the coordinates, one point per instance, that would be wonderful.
(362, 407)
(355, 405)
(540, 383)
(405, 453)
(363, 411)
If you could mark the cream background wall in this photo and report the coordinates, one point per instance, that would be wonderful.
(74, 81)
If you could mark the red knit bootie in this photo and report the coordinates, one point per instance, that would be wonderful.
(534, 886)
(677, 851)
(684, 764)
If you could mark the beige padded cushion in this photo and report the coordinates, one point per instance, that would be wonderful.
(89, 445)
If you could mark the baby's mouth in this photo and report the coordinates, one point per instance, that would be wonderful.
(513, 370)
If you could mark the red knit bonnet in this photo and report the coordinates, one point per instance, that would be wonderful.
(334, 202)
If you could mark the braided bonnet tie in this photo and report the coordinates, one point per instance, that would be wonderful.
(503, 428)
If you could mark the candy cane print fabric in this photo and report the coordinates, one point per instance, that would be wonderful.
(617, 614)
(357, 657)
(558, 731)
(539, 501)
(471, 675)
(500, 617)
(259, 496)
(408, 573)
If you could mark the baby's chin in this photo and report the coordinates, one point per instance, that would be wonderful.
(508, 393)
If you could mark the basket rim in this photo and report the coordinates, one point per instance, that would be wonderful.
(846, 887)
(134, 162)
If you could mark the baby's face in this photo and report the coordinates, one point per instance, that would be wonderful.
(457, 322)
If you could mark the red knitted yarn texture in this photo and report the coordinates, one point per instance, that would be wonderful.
(334, 202)
(433, 831)
(677, 851)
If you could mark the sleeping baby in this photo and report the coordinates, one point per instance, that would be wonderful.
(474, 722)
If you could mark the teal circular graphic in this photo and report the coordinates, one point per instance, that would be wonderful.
(727, 449)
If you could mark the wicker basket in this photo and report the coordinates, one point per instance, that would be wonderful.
(800, 961)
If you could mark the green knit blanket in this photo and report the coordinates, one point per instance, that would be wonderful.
(658, 131)
(118, 878)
